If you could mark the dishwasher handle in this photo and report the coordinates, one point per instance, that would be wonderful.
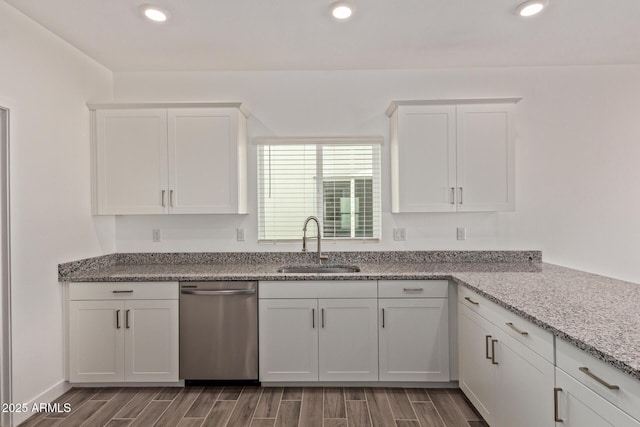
(218, 292)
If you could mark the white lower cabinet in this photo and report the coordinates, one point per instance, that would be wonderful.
(508, 382)
(577, 405)
(288, 339)
(477, 376)
(348, 340)
(325, 340)
(413, 331)
(322, 338)
(124, 339)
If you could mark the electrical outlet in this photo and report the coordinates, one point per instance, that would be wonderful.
(155, 235)
(240, 234)
(461, 233)
(400, 234)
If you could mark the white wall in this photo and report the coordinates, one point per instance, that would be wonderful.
(576, 155)
(49, 83)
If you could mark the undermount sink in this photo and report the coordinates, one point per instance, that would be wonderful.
(321, 269)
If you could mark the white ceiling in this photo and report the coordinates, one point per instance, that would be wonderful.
(383, 34)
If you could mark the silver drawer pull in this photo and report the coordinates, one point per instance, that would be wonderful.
(472, 301)
(412, 289)
(521, 332)
(493, 351)
(598, 379)
(453, 196)
(556, 417)
(123, 292)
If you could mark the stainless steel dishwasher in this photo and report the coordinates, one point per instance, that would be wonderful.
(218, 331)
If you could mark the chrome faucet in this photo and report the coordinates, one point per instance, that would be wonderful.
(319, 257)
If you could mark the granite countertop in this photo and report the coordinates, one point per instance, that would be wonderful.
(597, 314)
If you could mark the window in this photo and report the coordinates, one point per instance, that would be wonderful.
(334, 179)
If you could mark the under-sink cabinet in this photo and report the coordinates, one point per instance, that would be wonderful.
(169, 158)
(318, 331)
(122, 332)
(414, 333)
(506, 364)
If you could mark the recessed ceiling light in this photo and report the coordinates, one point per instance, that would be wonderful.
(531, 7)
(154, 13)
(342, 10)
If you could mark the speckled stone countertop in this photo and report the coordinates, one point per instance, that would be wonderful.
(597, 314)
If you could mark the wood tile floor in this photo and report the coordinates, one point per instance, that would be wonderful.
(262, 407)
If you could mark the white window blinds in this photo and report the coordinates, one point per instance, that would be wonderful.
(335, 179)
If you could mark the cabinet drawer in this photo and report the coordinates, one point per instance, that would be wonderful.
(317, 289)
(413, 288)
(571, 359)
(525, 332)
(122, 290)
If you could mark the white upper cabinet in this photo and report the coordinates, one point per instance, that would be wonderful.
(173, 158)
(453, 156)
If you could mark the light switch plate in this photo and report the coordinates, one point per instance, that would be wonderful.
(461, 233)
(400, 234)
(240, 234)
(155, 235)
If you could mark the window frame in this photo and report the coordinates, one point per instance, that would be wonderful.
(320, 205)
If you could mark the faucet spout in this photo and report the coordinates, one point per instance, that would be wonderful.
(319, 256)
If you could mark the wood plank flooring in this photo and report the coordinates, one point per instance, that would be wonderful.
(262, 407)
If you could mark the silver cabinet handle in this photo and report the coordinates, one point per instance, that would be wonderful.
(412, 289)
(486, 346)
(129, 291)
(126, 319)
(313, 318)
(383, 317)
(453, 196)
(472, 301)
(171, 198)
(556, 417)
(117, 319)
(163, 203)
(219, 292)
(493, 352)
(460, 196)
(521, 332)
(322, 316)
(598, 379)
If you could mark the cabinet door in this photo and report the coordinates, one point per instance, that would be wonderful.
(348, 340)
(424, 159)
(131, 165)
(151, 340)
(525, 386)
(203, 159)
(288, 339)
(580, 407)
(414, 339)
(486, 159)
(96, 341)
(477, 375)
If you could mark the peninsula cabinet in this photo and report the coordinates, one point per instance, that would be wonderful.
(590, 392)
(453, 155)
(413, 330)
(169, 159)
(505, 364)
(123, 332)
(318, 331)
